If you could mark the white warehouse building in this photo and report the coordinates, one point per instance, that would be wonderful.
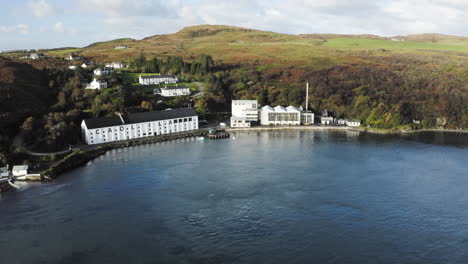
(244, 112)
(157, 79)
(138, 125)
(280, 116)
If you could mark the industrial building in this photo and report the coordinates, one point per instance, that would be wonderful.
(244, 112)
(289, 116)
(138, 125)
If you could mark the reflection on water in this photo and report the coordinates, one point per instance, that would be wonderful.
(265, 197)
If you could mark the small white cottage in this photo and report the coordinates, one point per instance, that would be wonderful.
(20, 170)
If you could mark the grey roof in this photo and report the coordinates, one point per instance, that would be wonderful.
(176, 87)
(139, 118)
(20, 167)
(156, 76)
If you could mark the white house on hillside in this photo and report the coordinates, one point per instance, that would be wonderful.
(36, 56)
(73, 57)
(97, 84)
(157, 79)
(103, 71)
(121, 47)
(115, 65)
(73, 67)
(85, 65)
(175, 91)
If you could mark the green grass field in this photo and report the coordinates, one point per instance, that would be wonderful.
(359, 43)
(62, 52)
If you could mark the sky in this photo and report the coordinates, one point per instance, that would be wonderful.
(35, 24)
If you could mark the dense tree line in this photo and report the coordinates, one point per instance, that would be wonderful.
(173, 65)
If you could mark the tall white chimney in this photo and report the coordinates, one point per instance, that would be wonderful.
(307, 97)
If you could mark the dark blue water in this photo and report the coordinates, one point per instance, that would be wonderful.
(282, 197)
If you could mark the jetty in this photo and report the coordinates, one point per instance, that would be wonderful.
(217, 134)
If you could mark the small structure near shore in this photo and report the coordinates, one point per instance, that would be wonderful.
(20, 170)
(4, 172)
(213, 134)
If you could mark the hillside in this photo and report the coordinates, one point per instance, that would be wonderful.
(239, 45)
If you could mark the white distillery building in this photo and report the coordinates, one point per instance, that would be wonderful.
(244, 113)
(138, 125)
(175, 91)
(157, 79)
(116, 65)
(121, 47)
(97, 84)
(103, 71)
(289, 116)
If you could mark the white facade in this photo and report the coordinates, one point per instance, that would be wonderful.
(353, 123)
(280, 116)
(340, 121)
(121, 47)
(97, 84)
(126, 127)
(116, 65)
(103, 71)
(244, 112)
(20, 170)
(327, 120)
(157, 79)
(307, 118)
(73, 67)
(85, 65)
(175, 91)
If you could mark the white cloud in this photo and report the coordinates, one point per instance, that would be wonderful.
(58, 27)
(40, 8)
(20, 28)
(126, 7)
(140, 18)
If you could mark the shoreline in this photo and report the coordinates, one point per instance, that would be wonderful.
(344, 128)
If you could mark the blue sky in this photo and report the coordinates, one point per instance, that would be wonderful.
(59, 23)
